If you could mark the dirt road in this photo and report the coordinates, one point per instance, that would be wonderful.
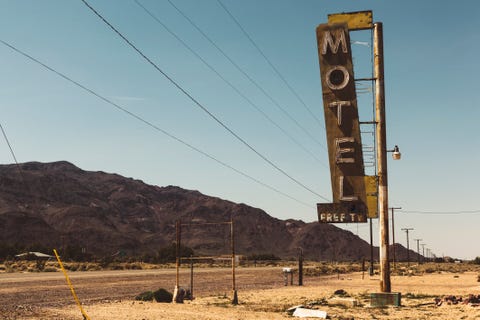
(26, 294)
(261, 291)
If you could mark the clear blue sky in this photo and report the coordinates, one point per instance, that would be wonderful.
(431, 70)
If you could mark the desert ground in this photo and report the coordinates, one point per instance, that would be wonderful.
(262, 294)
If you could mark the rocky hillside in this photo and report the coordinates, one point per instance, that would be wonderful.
(56, 204)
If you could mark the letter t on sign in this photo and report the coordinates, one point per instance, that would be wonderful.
(339, 105)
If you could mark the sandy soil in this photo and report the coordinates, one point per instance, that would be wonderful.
(261, 293)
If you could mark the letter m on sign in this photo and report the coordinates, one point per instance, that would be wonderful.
(329, 42)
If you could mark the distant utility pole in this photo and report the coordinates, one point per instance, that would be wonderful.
(393, 235)
(418, 249)
(408, 245)
(423, 250)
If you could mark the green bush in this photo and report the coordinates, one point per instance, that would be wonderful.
(162, 295)
(145, 296)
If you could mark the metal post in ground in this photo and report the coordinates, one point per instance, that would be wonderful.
(234, 289)
(178, 231)
(191, 277)
(371, 271)
(300, 267)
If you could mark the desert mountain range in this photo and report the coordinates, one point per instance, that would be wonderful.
(54, 204)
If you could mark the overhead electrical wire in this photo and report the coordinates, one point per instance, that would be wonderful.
(9, 145)
(18, 166)
(146, 122)
(240, 93)
(256, 84)
(275, 69)
(441, 212)
(4, 133)
(201, 106)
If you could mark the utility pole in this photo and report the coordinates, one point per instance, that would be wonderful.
(408, 245)
(423, 251)
(393, 235)
(418, 249)
(381, 135)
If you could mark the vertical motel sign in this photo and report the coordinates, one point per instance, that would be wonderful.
(343, 129)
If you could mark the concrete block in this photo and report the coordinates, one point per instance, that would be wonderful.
(386, 299)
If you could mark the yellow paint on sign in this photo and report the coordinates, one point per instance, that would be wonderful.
(360, 20)
(372, 198)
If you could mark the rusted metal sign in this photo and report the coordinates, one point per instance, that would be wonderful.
(343, 128)
(359, 20)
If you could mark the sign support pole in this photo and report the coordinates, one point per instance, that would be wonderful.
(371, 268)
(385, 285)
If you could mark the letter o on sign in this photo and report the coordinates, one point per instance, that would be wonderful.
(337, 78)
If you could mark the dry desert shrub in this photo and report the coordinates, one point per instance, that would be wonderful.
(50, 269)
(133, 266)
(430, 268)
(324, 268)
(19, 266)
(93, 267)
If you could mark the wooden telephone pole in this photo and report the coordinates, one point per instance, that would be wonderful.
(385, 284)
(407, 230)
(393, 236)
(418, 249)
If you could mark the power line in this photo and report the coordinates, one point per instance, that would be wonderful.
(275, 69)
(13, 154)
(442, 212)
(9, 145)
(19, 168)
(146, 122)
(256, 84)
(198, 104)
(248, 100)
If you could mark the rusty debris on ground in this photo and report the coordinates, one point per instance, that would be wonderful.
(473, 300)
